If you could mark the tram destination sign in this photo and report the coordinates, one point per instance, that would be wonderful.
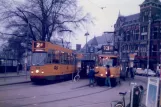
(107, 48)
(39, 45)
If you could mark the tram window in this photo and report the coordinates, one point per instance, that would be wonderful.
(73, 60)
(49, 60)
(39, 58)
(69, 59)
(115, 62)
(63, 58)
(55, 57)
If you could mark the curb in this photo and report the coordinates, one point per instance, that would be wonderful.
(15, 83)
(12, 76)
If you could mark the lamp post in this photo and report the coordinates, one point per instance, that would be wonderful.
(148, 46)
(86, 34)
(26, 50)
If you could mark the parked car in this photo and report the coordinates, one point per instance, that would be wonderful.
(139, 71)
(150, 72)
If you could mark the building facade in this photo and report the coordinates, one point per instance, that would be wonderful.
(94, 45)
(98, 41)
(140, 35)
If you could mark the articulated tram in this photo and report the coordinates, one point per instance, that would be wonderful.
(51, 62)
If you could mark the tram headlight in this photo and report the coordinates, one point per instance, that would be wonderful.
(101, 75)
(37, 71)
(32, 72)
(112, 75)
(42, 72)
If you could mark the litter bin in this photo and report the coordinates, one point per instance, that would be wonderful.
(136, 96)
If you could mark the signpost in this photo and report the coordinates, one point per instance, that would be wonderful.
(152, 92)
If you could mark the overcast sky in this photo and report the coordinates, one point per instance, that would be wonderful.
(105, 18)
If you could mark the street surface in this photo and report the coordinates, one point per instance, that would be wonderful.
(63, 94)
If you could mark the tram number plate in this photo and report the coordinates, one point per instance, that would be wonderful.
(56, 67)
(39, 45)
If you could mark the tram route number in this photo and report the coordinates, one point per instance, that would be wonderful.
(107, 48)
(39, 45)
(56, 67)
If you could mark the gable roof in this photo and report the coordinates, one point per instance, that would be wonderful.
(151, 1)
(132, 17)
(101, 40)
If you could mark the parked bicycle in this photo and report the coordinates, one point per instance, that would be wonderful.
(122, 103)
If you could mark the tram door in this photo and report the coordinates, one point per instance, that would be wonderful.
(84, 65)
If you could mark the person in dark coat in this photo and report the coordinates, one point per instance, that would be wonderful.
(108, 74)
(91, 75)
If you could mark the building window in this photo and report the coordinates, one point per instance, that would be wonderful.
(154, 35)
(155, 29)
(143, 19)
(154, 47)
(142, 37)
(154, 53)
(145, 37)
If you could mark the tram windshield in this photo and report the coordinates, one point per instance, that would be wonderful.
(107, 61)
(39, 58)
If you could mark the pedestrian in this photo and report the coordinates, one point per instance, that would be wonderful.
(134, 71)
(91, 75)
(127, 72)
(108, 74)
(131, 72)
(87, 70)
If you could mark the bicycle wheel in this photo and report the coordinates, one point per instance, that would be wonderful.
(76, 78)
(119, 104)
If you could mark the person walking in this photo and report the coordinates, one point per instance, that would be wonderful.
(107, 81)
(87, 70)
(91, 75)
(132, 72)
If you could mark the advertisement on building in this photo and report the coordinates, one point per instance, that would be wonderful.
(152, 92)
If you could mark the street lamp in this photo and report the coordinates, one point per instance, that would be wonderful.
(86, 34)
(148, 46)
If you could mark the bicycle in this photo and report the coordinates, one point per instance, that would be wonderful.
(123, 103)
(77, 77)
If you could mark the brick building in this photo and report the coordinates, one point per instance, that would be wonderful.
(137, 33)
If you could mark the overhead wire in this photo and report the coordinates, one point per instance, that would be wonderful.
(96, 4)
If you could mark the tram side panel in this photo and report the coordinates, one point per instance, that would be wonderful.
(52, 72)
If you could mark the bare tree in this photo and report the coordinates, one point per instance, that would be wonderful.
(40, 19)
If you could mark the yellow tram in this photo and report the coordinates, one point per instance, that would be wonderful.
(112, 61)
(51, 62)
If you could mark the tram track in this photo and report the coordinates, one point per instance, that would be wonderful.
(23, 84)
(80, 88)
(63, 99)
(43, 95)
(15, 83)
